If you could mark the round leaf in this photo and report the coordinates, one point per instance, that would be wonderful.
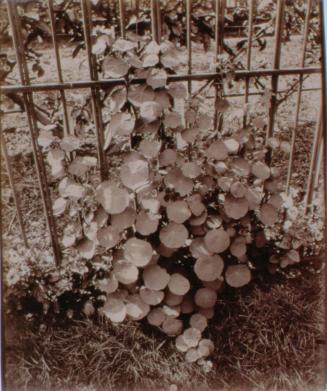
(113, 199)
(146, 223)
(217, 240)
(173, 120)
(114, 309)
(199, 322)
(192, 337)
(116, 99)
(121, 124)
(108, 237)
(268, 214)
(150, 111)
(123, 220)
(238, 247)
(156, 317)
(173, 235)
(59, 206)
(217, 151)
(176, 180)
(205, 297)
(140, 94)
(114, 67)
(178, 284)
(108, 285)
(150, 148)
(260, 170)
(137, 251)
(209, 268)
(191, 170)
(178, 211)
(237, 275)
(122, 45)
(125, 272)
(172, 326)
(236, 208)
(150, 296)
(134, 174)
(167, 157)
(157, 78)
(136, 308)
(155, 277)
(86, 248)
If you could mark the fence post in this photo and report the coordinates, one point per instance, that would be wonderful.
(318, 136)
(95, 99)
(323, 27)
(298, 99)
(32, 122)
(155, 20)
(58, 64)
(13, 188)
(122, 18)
(248, 53)
(189, 43)
(276, 64)
(219, 41)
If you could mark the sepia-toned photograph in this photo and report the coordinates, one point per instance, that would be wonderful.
(163, 195)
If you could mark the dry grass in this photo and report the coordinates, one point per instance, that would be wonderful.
(271, 337)
(99, 355)
(268, 338)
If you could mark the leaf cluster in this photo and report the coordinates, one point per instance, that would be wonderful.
(185, 208)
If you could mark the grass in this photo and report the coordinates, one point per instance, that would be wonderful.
(271, 337)
(267, 337)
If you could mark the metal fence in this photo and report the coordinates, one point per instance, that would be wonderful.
(94, 84)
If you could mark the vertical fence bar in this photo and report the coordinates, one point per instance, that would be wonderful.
(189, 43)
(318, 153)
(31, 117)
(219, 27)
(13, 188)
(58, 64)
(95, 99)
(298, 98)
(158, 16)
(313, 161)
(219, 41)
(323, 28)
(319, 160)
(137, 12)
(155, 20)
(249, 52)
(122, 17)
(276, 65)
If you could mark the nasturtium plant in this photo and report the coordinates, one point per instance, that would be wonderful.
(185, 209)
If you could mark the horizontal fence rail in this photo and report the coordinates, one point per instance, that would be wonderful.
(94, 84)
(104, 83)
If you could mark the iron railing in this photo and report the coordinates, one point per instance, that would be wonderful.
(26, 88)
